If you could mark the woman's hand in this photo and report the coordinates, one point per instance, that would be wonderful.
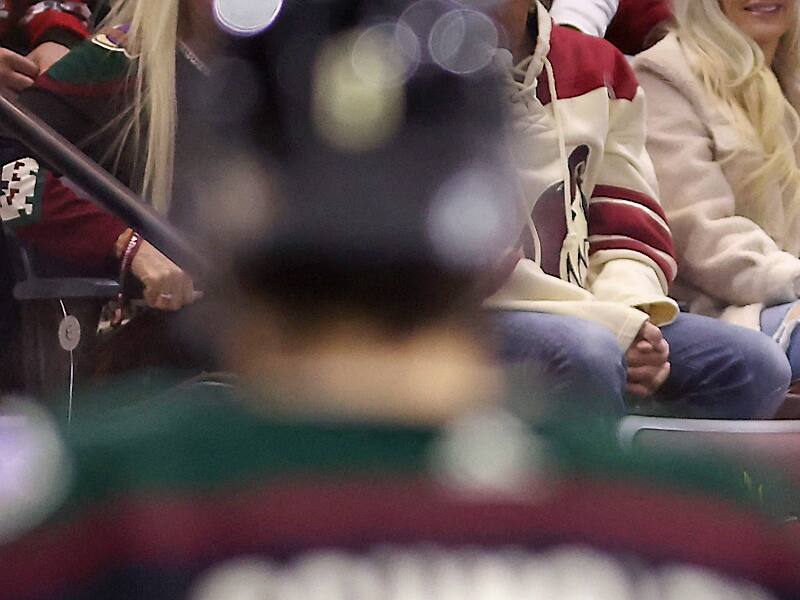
(47, 54)
(16, 73)
(648, 362)
(166, 286)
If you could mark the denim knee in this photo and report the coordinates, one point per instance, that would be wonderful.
(769, 374)
(575, 362)
(749, 380)
(596, 374)
(596, 358)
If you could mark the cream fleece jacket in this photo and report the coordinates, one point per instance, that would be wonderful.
(730, 266)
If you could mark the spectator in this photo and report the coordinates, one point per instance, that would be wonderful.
(124, 112)
(588, 307)
(44, 31)
(368, 458)
(723, 134)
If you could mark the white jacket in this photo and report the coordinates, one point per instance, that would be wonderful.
(598, 248)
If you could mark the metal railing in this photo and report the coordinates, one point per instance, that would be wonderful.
(63, 157)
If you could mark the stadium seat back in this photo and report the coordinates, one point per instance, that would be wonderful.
(57, 327)
(768, 442)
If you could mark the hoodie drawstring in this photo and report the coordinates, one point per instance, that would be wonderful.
(528, 86)
(562, 140)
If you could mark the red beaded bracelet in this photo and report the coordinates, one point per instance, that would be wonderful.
(134, 243)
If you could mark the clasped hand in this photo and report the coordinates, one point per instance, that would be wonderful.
(18, 72)
(648, 362)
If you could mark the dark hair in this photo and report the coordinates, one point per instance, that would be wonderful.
(310, 292)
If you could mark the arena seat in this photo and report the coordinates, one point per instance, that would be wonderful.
(773, 442)
(59, 316)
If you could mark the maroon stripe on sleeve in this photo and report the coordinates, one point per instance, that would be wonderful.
(621, 193)
(55, 19)
(82, 90)
(72, 228)
(606, 218)
(636, 246)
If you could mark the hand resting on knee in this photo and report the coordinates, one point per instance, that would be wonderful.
(648, 362)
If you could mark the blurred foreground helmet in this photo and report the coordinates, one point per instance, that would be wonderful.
(354, 131)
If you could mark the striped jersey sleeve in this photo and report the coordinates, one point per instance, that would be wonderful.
(626, 219)
(60, 21)
(75, 98)
(63, 21)
(629, 220)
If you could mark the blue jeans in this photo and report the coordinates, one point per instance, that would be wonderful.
(771, 319)
(719, 371)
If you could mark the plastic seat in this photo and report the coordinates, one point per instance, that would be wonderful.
(59, 317)
(771, 442)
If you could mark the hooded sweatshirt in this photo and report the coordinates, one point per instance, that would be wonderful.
(599, 247)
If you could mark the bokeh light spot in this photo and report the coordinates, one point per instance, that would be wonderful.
(34, 468)
(386, 55)
(467, 224)
(359, 96)
(463, 41)
(246, 17)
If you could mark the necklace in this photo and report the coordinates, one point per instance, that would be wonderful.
(193, 58)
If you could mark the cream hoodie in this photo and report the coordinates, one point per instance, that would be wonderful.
(599, 248)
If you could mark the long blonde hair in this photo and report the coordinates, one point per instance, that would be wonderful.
(151, 121)
(751, 93)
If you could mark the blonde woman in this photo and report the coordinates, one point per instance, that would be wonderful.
(723, 91)
(122, 97)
